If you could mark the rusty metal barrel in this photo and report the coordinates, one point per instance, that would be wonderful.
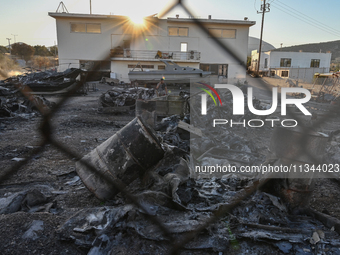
(124, 157)
(299, 148)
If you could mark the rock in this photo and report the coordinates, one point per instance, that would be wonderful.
(17, 159)
(315, 238)
(34, 229)
(285, 247)
(12, 203)
(34, 197)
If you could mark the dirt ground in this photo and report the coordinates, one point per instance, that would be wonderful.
(81, 127)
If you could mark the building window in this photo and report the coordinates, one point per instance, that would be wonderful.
(284, 73)
(266, 63)
(134, 66)
(205, 67)
(178, 31)
(285, 62)
(222, 70)
(184, 47)
(148, 66)
(272, 73)
(161, 67)
(222, 33)
(93, 28)
(78, 28)
(315, 63)
(142, 66)
(98, 65)
(126, 44)
(215, 69)
(90, 28)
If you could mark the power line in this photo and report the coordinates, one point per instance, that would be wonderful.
(9, 45)
(310, 22)
(14, 37)
(265, 7)
(308, 17)
(255, 6)
(314, 25)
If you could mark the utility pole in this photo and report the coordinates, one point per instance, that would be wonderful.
(264, 8)
(55, 50)
(9, 45)
(14, 37)
(90, 7)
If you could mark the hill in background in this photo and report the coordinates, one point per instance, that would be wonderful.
(333, 47)
(254, 43)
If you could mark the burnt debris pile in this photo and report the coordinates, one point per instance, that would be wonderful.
(48, 81)
(35, 85)
(121, 97)
(13, 104)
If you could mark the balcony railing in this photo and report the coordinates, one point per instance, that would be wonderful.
(149, 54)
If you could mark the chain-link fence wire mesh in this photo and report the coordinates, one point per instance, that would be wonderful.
(47, 134)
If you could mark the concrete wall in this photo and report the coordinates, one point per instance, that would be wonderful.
(73, 47)
(254, 61)
(120, 67)
(300, 64)
(305, 75)
(299, 59)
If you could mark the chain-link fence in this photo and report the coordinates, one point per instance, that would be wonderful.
(48, 138)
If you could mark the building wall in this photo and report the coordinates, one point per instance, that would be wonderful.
(73, 47)
(254, 60)
(300, 59)
(121, 68)
(300, 68)
(305, 75)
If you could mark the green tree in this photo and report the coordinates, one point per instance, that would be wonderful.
(41, 61)
(23, 50)
(248, 61)
(7, 66)
(3, 49)
(54, 50)
(41, 50)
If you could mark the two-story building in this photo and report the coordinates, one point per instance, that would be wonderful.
(294, 65)
(119, 44)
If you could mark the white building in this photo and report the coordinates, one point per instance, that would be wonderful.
(119, 44)
(294, 65)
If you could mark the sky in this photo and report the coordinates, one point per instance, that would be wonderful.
(290, 22)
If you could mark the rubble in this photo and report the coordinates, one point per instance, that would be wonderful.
(12, 106)
(44, 81)
(31, 200)
(33, 231)
(115, 163)
(118, 96)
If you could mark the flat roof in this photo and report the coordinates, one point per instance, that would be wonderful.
(278, 51)
(101, 16)
(86, 16)
(220, 21)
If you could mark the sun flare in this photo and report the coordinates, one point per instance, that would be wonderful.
(137, 19)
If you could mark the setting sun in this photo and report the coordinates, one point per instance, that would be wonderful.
(137, 19)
